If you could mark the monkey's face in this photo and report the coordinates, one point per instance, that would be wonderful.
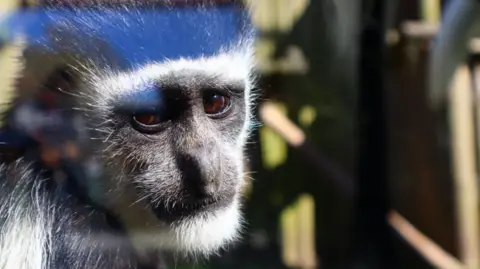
(182, 160)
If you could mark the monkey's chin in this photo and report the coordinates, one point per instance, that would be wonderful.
(186, 210)
(198, 234)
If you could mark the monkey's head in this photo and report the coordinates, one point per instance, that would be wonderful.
(174, 169)
(173, 165)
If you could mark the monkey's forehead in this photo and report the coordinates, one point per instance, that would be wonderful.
(231, 70)
(136, 35)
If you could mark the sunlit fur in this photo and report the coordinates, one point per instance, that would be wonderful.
(41, 227)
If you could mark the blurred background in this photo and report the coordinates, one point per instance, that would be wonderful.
(354, 165)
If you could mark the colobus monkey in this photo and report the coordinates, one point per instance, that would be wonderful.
(172, 176)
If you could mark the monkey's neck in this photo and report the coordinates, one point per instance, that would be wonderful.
(43, 227)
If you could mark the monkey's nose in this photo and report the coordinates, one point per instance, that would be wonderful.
(198, 178)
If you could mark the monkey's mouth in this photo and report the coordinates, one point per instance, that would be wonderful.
(185, 209)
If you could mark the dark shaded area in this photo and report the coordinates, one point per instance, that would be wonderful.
(403, 161)
(324, 166)
(373, 244)
(420, 176)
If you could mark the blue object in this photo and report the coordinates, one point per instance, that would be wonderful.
(134, 36)
(12, 139)
(139, 35)
(147, 100)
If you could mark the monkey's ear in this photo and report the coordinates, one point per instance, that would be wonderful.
(61, 82)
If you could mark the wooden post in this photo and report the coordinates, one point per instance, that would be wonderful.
(7, 6)
(430, 11)
(429, 250)
(9, 55)
(464, 167)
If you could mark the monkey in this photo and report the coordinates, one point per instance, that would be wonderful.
(172, 174)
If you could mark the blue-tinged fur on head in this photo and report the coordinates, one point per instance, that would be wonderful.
(177, 188)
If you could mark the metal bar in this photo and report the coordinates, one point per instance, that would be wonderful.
(459, 25)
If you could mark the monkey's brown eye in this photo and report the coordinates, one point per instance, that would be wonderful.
(148, 123)
(147, 119)
(215, 104)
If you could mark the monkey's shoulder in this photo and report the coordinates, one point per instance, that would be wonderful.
(58, 229)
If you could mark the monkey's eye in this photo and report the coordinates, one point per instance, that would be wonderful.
(147, 119)
(216, 104)
(147, 122)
